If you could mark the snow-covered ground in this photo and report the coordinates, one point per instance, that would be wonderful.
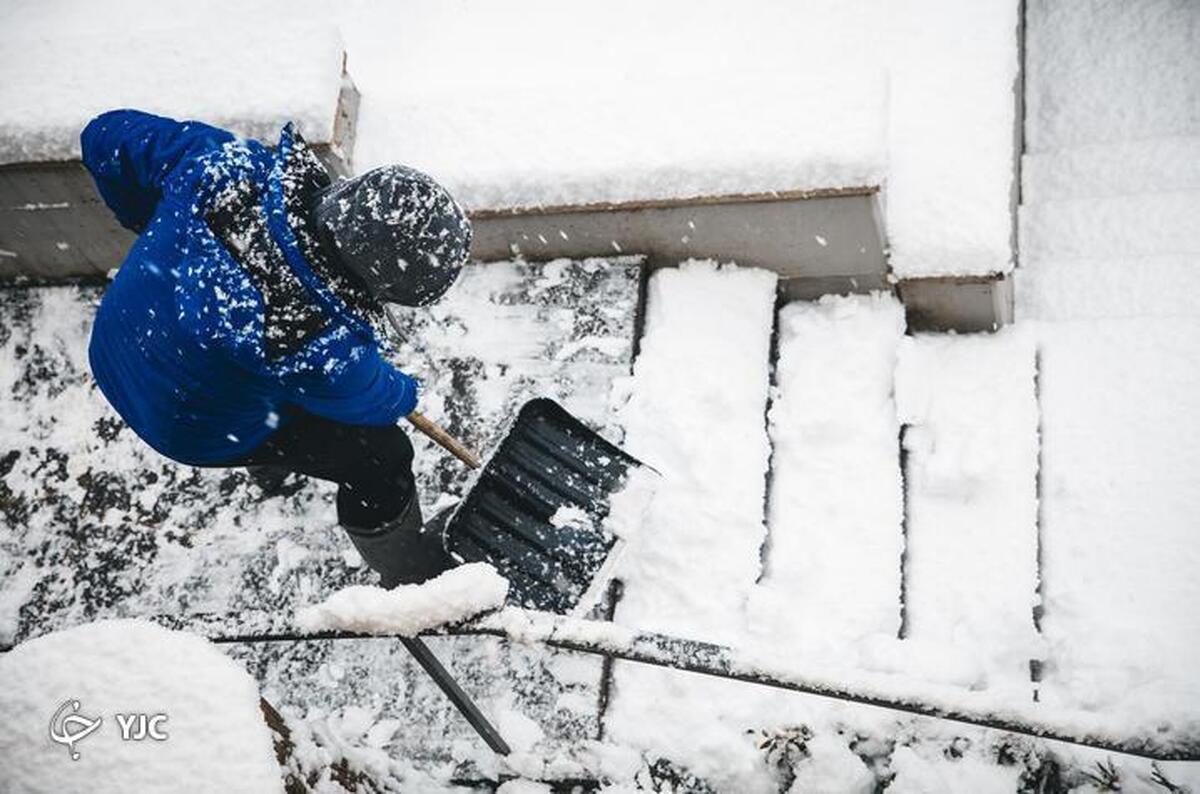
(95, 524)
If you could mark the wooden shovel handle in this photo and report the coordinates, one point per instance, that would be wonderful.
(444, 439)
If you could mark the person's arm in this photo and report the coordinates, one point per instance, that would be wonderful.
(130, 153)
(368, 391)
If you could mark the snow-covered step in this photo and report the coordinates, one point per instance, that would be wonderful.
(1125, 167)
(971, 446)
(1135, 286)
(696, 413)
(832, 572)
(1110, 71)
(1121, 493)
(1145, 224)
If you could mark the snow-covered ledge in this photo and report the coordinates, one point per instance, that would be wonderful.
(52, 224)
(817, 241)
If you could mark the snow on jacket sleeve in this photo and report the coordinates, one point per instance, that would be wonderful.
(130, 154)
(365, 390)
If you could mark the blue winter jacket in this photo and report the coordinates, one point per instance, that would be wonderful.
(178, 343)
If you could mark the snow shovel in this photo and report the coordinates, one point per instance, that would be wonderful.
(538, 511)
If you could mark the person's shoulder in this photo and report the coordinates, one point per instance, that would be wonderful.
(202, 178)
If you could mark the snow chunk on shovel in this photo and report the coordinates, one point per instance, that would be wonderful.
(408, 610)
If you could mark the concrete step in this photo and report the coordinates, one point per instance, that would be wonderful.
(1141, 166)
(1121, 492)
(970, 443)
(1142, 224)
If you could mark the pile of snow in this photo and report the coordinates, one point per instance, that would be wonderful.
(408, 610)
(81, 684)
(223, 75)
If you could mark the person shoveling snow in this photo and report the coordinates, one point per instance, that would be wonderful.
(239, 331)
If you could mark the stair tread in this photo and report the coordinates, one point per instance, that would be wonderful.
(972, 454)
(834, 511)
(1109, 169)
(1076, 288)
(1142, 224)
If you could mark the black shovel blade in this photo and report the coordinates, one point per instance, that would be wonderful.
(538, 509)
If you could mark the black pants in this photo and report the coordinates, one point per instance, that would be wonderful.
(371, 465)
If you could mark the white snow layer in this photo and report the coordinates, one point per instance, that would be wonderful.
(1111, 179)
(1121, 484)
(829, 767)
(924, 773)
(833, 557)
(222, 75)
(1111, 71)
(1108, 231)
(407, 610)
(216, 739)
(697, 415)
(950, 136)
(971, 440)
(535, 103)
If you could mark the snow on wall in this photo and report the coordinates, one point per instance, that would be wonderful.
(833, 555)
(971, 480)
(223, 75)
(216, 739)
(1121, 462)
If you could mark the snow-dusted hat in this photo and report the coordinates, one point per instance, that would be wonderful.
(398, 230)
